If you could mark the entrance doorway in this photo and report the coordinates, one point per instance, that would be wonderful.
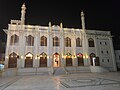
(56, 60)
(80, 59)
(94, 60)
(43, 60)
(29, 60)
(68, 59)
(12, 63)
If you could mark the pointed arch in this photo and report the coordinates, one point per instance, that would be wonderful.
(67, 42)
(43, 60)
(92, 57)
(94, 60)
(43, 41)
(30, 40)
(14, 39)
(56, 60)
(12, 63)
(56, 41)
(78, 42)
(29, 60)
(91, 42)
(80, 59)
(68, 59)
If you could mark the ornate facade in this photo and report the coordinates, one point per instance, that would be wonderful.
(31, 46)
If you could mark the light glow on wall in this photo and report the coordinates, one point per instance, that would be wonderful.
(22, 57)
(29, 55)
(36, 57)
(6, 57)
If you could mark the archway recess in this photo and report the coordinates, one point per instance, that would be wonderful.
(29, 60)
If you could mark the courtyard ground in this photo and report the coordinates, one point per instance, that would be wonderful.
(80, 81)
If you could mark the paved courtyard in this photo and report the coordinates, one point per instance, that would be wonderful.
(81, 81)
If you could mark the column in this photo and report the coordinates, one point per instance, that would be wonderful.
(36, 43)
(62, 46)
(49, 45)
(74, 48)
(22, 48)
(84, 47)
(96, 46)
(7, 49)
(62, 50)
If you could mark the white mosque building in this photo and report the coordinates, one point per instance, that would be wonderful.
(34, 46)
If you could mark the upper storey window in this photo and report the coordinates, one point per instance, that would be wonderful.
(43, 41)
(78, 42)
(14, 39)
(67, 42)
(91, 42)
(56, 41)
(29, 40)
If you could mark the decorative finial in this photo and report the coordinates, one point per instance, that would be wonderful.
(23, 7)
(82, 13)
(61, 25)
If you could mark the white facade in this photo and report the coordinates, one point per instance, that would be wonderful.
(100, 52)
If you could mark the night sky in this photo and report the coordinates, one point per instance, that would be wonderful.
(99, 14)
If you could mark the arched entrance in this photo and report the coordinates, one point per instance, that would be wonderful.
(56, 60)
(43, 60)
(29, 60)
(12, 63)
(80, 59)
(68, 59)
(94, 60)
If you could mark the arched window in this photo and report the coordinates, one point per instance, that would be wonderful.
(43, 41)
(14, 39)
(67, 42)
(30, 40)
(56, 41)
(91, 42)
(78, 42)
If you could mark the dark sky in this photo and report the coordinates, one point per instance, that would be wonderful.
(99, 14)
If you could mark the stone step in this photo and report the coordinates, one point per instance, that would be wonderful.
(33, 71)
(59, 71)
(98, 69)
(78, 69)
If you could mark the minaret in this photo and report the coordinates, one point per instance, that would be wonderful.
(23, 14)
(84, 40)
(83, 20)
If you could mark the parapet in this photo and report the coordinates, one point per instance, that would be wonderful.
(18, 22)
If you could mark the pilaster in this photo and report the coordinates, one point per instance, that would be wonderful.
(22, 48)
(49, 46)
(7, 49)
(113, 55)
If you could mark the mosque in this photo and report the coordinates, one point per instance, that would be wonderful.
(35, 46)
